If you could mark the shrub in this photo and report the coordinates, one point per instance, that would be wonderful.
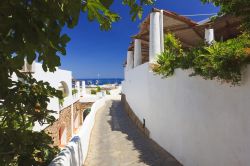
(74, 91)
(171, 58)
(107, 92)
(222, 60)
(86, 112)
(98, 89)
(93, 91)
(61, 101)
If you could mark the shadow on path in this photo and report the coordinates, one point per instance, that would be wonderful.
(149, 152)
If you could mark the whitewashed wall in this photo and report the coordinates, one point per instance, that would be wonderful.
(200, 122)
(54, 78)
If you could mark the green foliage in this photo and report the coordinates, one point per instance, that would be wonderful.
(107, 92)
(74, 91)
(172, 45)
(86, 112)
(222, 60)
(136, 8)
(24, 104)
(169, 60)
(99, 10)
(33, 30)
(61, 101)
(98, 89)
(93, 91)
(235, 7)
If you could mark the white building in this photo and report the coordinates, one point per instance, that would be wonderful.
(71, 119)
(200, 122)
(60, 80)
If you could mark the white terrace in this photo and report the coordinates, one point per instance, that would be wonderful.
(149, 42)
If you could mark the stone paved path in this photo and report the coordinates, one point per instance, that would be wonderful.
(115, 141)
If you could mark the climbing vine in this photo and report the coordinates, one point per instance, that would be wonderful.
(222, 61)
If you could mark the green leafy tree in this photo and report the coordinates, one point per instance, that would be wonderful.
(31, 29)
(235, 7)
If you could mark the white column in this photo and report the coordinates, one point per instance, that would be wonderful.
(137, 53)
(130, 60)
(78, 88)
(83, 88)
(154, 36)
(162, 30)
(209, 35)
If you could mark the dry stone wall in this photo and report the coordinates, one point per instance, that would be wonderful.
(64, 122)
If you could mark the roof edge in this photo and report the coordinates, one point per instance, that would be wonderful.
(176, 16)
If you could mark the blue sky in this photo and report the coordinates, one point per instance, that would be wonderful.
(92, 51)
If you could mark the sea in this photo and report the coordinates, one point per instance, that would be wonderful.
(100, 81)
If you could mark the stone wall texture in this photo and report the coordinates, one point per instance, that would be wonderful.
(65, 121)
